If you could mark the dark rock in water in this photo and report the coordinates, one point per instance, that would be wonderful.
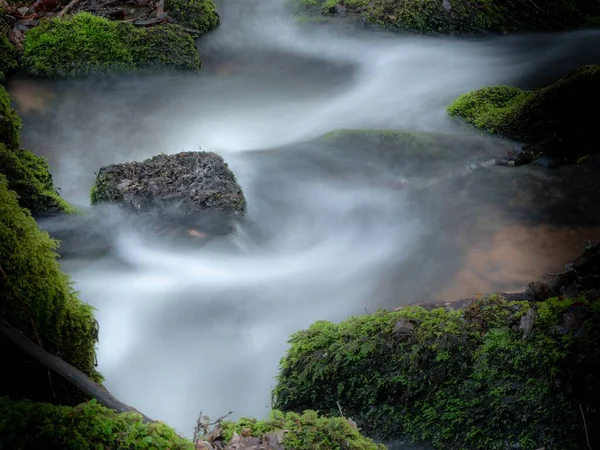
(547, 161)
(195, 191)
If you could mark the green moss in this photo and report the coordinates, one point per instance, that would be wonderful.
(29, 176)
(307, 431)
(28, 425)
(10, 123)
(8, 60)
(200, 15)
(463, 16)
(560, 110)
(465, 379)
(85, 44)
(36, 297)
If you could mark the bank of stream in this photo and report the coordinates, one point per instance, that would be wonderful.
(336, 226)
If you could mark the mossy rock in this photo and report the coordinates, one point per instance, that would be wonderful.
(463, 16)
(10, 122)
(560, 110)
(8, 56)
(27, 425)
(200, 15)
(36, 296)
(306, 431)
(85, 44)
(495, 375)
(29, 176)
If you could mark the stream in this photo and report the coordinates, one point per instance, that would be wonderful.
(330, 233)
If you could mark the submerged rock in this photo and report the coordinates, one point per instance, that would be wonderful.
(555, 120)
(196, 190)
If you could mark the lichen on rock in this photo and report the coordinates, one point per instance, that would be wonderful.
(193, 187)
(201, 15)
(473, 378)
(559, 112)
(85, 44)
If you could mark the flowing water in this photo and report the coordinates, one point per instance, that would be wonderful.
(333, 230)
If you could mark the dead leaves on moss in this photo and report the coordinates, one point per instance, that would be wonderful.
(216, 441)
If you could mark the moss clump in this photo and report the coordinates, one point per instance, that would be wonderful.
(467, 379)
(10, 122)
(29, 176)
(560, 110)
(36, 297)
(8, 60)
(85, 44)
(200, 15)
(464, 16)
(306, 431)
(28, 425)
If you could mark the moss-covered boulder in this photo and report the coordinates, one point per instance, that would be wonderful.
(29, 176)
(10, 122)
(85, 44)
(27, 425)
(196, 190)
(461, 16)
(8, 56)
(36, 297)
(200, 15)
(494, 375)
(560, 113)
(291, 431)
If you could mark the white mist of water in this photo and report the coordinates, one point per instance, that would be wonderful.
(184, 331)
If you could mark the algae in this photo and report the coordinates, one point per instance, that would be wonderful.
(200, 15)
(465, 379)
(560, 110)
(37, 297)
(84, 44)
(29, 425)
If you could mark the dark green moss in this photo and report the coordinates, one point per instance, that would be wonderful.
(10, 122)
(27, 425)
(29, 176)
(561, 109)
(200, 15)
(8, 61)
(307, 431)
(465, 379)
(85, 44)
(464, 16)
(36, 297)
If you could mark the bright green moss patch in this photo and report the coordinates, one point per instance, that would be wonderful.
(562, 110)
(29, 176)
(8, 60)
(85, 44)
(306, 431)
(36, 297)
(477, 378)
(463, 16)
(10, 122)
(27, 425)
(200, 15)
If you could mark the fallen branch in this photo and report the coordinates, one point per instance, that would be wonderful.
(587, 437)
(68, 8)
(65, 370)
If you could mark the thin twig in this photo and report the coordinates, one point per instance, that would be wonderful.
(67, 8)
(3, 273)
(340, 408)
(587, 438)
(222, 418)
